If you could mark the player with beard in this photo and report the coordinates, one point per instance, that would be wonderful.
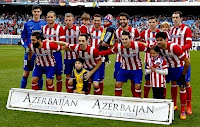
(53, 31)
(45, 62)
(34, 25)
(134, 35)
(96, 33)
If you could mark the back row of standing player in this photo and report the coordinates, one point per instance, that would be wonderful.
(126, 58)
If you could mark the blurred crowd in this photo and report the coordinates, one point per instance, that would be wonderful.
(13, 23)
(66, 1)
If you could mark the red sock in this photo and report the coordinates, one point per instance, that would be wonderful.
(118, 91)
(70, 89)
(35, 86)
(183, 98)
(101, 85)
(137, 93)
(59, 85)
(97, 91)
(164, 92)
(89, 87)
(66, 82)
(50, 87)
(146, 90)
(132, 87)
(189, 95)
(174, 91)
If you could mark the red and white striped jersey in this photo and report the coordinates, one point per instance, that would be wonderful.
(84, 29)
(182, 36)
(90, 55)
(71, 38)
(96, 36)
(44, 55)
(156, 79)
(130, 56)
(150, 38)
(173, 55)
(55, 33)
(134, 36)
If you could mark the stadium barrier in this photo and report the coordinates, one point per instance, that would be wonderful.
(10, 39)
(157, 111)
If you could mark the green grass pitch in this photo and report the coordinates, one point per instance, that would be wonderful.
(11, 62)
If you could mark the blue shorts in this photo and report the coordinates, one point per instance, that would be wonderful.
(102, 71)
(188, 75)
(174, 74)
(39, 70)
(58, 67)
(95, 76)
(135, 75)
(26, 59)
(116, 69)
(68, 66)
(147, 76)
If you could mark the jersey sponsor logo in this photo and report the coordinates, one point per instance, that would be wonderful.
(151, 38)
(129, 55)
(71, 36)
(36, 31)
(96, 37)
(50, 35)
(176, 36)
(85, 58)
(44, 54)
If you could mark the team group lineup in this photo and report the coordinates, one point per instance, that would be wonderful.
(87, 49)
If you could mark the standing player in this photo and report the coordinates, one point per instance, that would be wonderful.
(148, 36)
(96, 33)
(178, 66)
(182, 36)
(134, 35)
(131, 67)
(31, 26)
(71, 34)
(55, 32)
(45, 61)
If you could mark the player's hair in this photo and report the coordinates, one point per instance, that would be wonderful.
(126, 33)
(85, 16)
(97, 15)
(85, 35)
(52, 12)
(80, 60)
(155, 48)
(152, 17)
(124, 14)
(178, 12)
(38, 35)
(165, 24)
(69, 15)
(36, 7)
(162, 35)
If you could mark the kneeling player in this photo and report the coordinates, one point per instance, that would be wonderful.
(45, 60)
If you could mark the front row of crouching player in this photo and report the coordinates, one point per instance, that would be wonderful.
(167, 63)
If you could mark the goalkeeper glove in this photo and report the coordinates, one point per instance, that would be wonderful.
(27, 50)
(29, 66)
(182, 81)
